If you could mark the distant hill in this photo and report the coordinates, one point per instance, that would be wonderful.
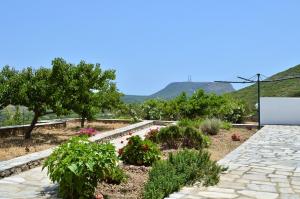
(287, 88)
(174, 89)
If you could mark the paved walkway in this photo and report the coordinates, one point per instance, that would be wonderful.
(34, 183)
(267, 166)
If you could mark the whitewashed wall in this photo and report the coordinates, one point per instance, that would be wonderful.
(280, 110)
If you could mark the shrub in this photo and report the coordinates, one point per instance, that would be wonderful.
(211, 126)
(152, 135)
(226, 125)
(193, 138)
(78, 165)
(140, 152)
(192, 123)
(183, 168)
(233, 111)
(170, 136)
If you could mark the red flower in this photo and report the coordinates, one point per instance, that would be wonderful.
(145, 147)
(235, 137)
(120, 152)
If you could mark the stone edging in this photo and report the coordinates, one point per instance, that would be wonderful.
(26, 162)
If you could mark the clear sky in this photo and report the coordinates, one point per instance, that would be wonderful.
(153, 43)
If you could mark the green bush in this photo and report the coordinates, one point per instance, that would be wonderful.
(183, 168)
(193, 138)
(170, 136)
(152, 135)
(211, 126)
(174, 137)
(78, 165)
(140, 152)
(188, 122)
(226, 125)
(233, 111)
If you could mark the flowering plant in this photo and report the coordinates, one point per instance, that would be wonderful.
(236, 137)
(88, 131)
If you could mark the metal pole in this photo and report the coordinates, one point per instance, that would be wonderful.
(258, 100)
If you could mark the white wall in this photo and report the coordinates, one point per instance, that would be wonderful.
(280, 110)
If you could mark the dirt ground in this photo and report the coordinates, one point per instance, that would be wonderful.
(221, 144)
(132, 188)
(43, 138)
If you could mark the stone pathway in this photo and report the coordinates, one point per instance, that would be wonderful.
(267, 166)
(34, 183)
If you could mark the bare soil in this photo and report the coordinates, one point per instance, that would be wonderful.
(221, 144)
(12, 146)
(132, 188)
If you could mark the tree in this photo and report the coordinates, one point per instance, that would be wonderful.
(33, 89)
(88, 89)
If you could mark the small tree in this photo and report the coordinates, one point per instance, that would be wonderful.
(33, 89)
(88, 89)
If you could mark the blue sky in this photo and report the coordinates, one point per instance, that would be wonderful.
(153, 43)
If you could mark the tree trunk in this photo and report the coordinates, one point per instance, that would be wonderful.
(32, 125)
(82, 122)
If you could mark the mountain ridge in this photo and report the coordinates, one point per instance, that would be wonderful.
(286, 88)
(175, 88)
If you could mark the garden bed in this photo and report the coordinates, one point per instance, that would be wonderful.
(12, 146)
(221, 144)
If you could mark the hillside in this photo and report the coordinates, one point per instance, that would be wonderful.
(287, 88)
(174, 89)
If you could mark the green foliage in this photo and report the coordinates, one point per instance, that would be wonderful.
(232, 110)
(226, 125)
(170, 136)
(32, 89)
(140, 152)
(133, 111)
(175, 136)
(193, 138)
(188, 122)
(211, 126)
(199, 105)
(176, 88)
(89, 88)
(152, 109)
(183, 168)
(78, 165)
(287, 88)
(152, 135)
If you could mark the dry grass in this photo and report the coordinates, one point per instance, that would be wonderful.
(43, 138)
(222, 143)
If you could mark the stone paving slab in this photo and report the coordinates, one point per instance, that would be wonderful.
(34, 183)
(267, 166)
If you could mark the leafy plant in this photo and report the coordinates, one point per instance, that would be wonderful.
(193, 138)
(152, 135)
(78, 165)
(226, 125)
(211, 126)
(140, 152)
(189, 122)
(183, 168)
(171, 136)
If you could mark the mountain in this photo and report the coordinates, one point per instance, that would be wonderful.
(286, 88)
(174, 89)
